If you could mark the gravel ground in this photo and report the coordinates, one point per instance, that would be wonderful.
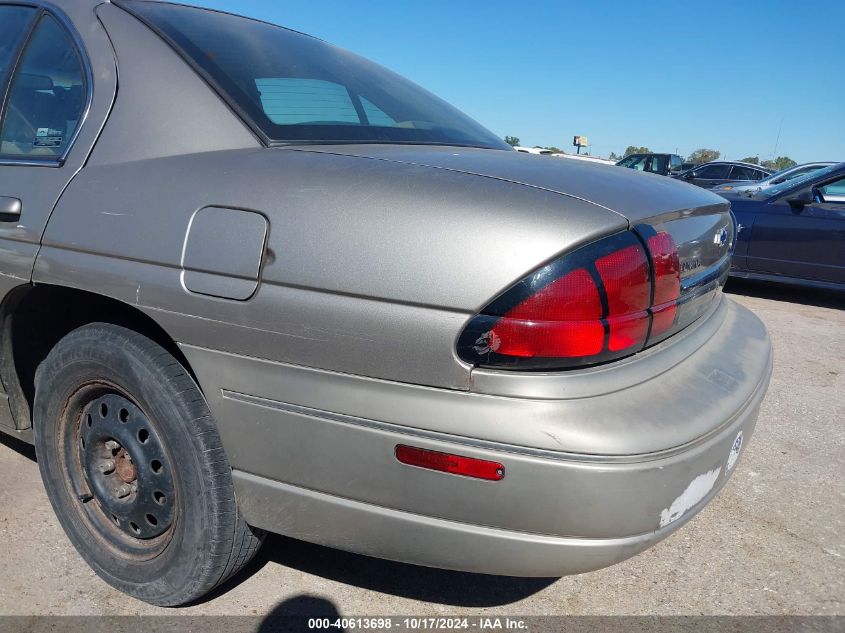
(771, 543)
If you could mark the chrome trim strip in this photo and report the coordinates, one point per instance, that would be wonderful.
(10, 162)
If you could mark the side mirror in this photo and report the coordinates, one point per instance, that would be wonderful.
(689, 175)
(802, 199)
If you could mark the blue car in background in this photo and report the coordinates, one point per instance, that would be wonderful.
(793, 232)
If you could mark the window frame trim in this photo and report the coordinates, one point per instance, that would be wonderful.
(223, 95)
(215, 87)
(714, 164)
(6, 86)
(49, 9)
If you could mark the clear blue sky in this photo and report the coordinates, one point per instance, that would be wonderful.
(677, 74)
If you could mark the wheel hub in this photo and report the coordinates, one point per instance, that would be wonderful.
(126, 467)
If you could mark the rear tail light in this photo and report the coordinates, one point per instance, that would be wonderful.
(667, 282)
(599, 303)
(627, 284)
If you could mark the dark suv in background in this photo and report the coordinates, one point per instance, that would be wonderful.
(709, 175)
(663, 164)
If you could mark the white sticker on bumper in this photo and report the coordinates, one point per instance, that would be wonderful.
(734, 454)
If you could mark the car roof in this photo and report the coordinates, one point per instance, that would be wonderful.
(737, 162)
(823, 163)
(734, 162)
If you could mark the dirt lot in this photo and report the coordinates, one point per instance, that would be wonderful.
(773, 542)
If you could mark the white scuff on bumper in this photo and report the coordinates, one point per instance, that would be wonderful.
(689, 498)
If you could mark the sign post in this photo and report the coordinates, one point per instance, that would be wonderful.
(579, 142)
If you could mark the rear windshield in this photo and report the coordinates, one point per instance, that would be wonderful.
(295, 88)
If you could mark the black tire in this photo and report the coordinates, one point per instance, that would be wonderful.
(199, 538)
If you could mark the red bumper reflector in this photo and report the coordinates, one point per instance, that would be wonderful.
(448, 463)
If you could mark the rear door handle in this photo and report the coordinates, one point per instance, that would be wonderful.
(10, 209)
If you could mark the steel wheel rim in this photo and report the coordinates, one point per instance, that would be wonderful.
(114, 500)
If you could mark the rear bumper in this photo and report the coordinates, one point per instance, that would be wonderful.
(327, 474)
(414, 538)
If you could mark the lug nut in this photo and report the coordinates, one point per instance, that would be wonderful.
(122, 491)
(107, 467)
(112, 445)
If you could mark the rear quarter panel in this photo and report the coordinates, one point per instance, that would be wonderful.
(370, 268)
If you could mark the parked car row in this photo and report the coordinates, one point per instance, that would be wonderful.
(707, 175)
(775, 179)
(790, 223)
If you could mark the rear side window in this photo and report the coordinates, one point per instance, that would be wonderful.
(717, 172)
(658, 164)
(294, 88)
(47, 96)
(745, 173)
(14, 23)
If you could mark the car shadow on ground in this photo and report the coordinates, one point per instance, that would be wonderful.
(783, 292)
(18, 446)
(398, 579)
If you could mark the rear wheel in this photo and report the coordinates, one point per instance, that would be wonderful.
(134, 468)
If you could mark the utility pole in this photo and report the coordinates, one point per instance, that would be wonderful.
(777, 140)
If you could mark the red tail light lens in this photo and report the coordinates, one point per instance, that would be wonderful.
(667, 281)
(626, 281)
(594, 305)
(561, 320)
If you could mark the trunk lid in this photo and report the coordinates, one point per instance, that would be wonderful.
(633, 194)
(700, 222)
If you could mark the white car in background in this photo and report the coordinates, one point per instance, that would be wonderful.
(589, 159)
(547, 152)
(534, 150)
